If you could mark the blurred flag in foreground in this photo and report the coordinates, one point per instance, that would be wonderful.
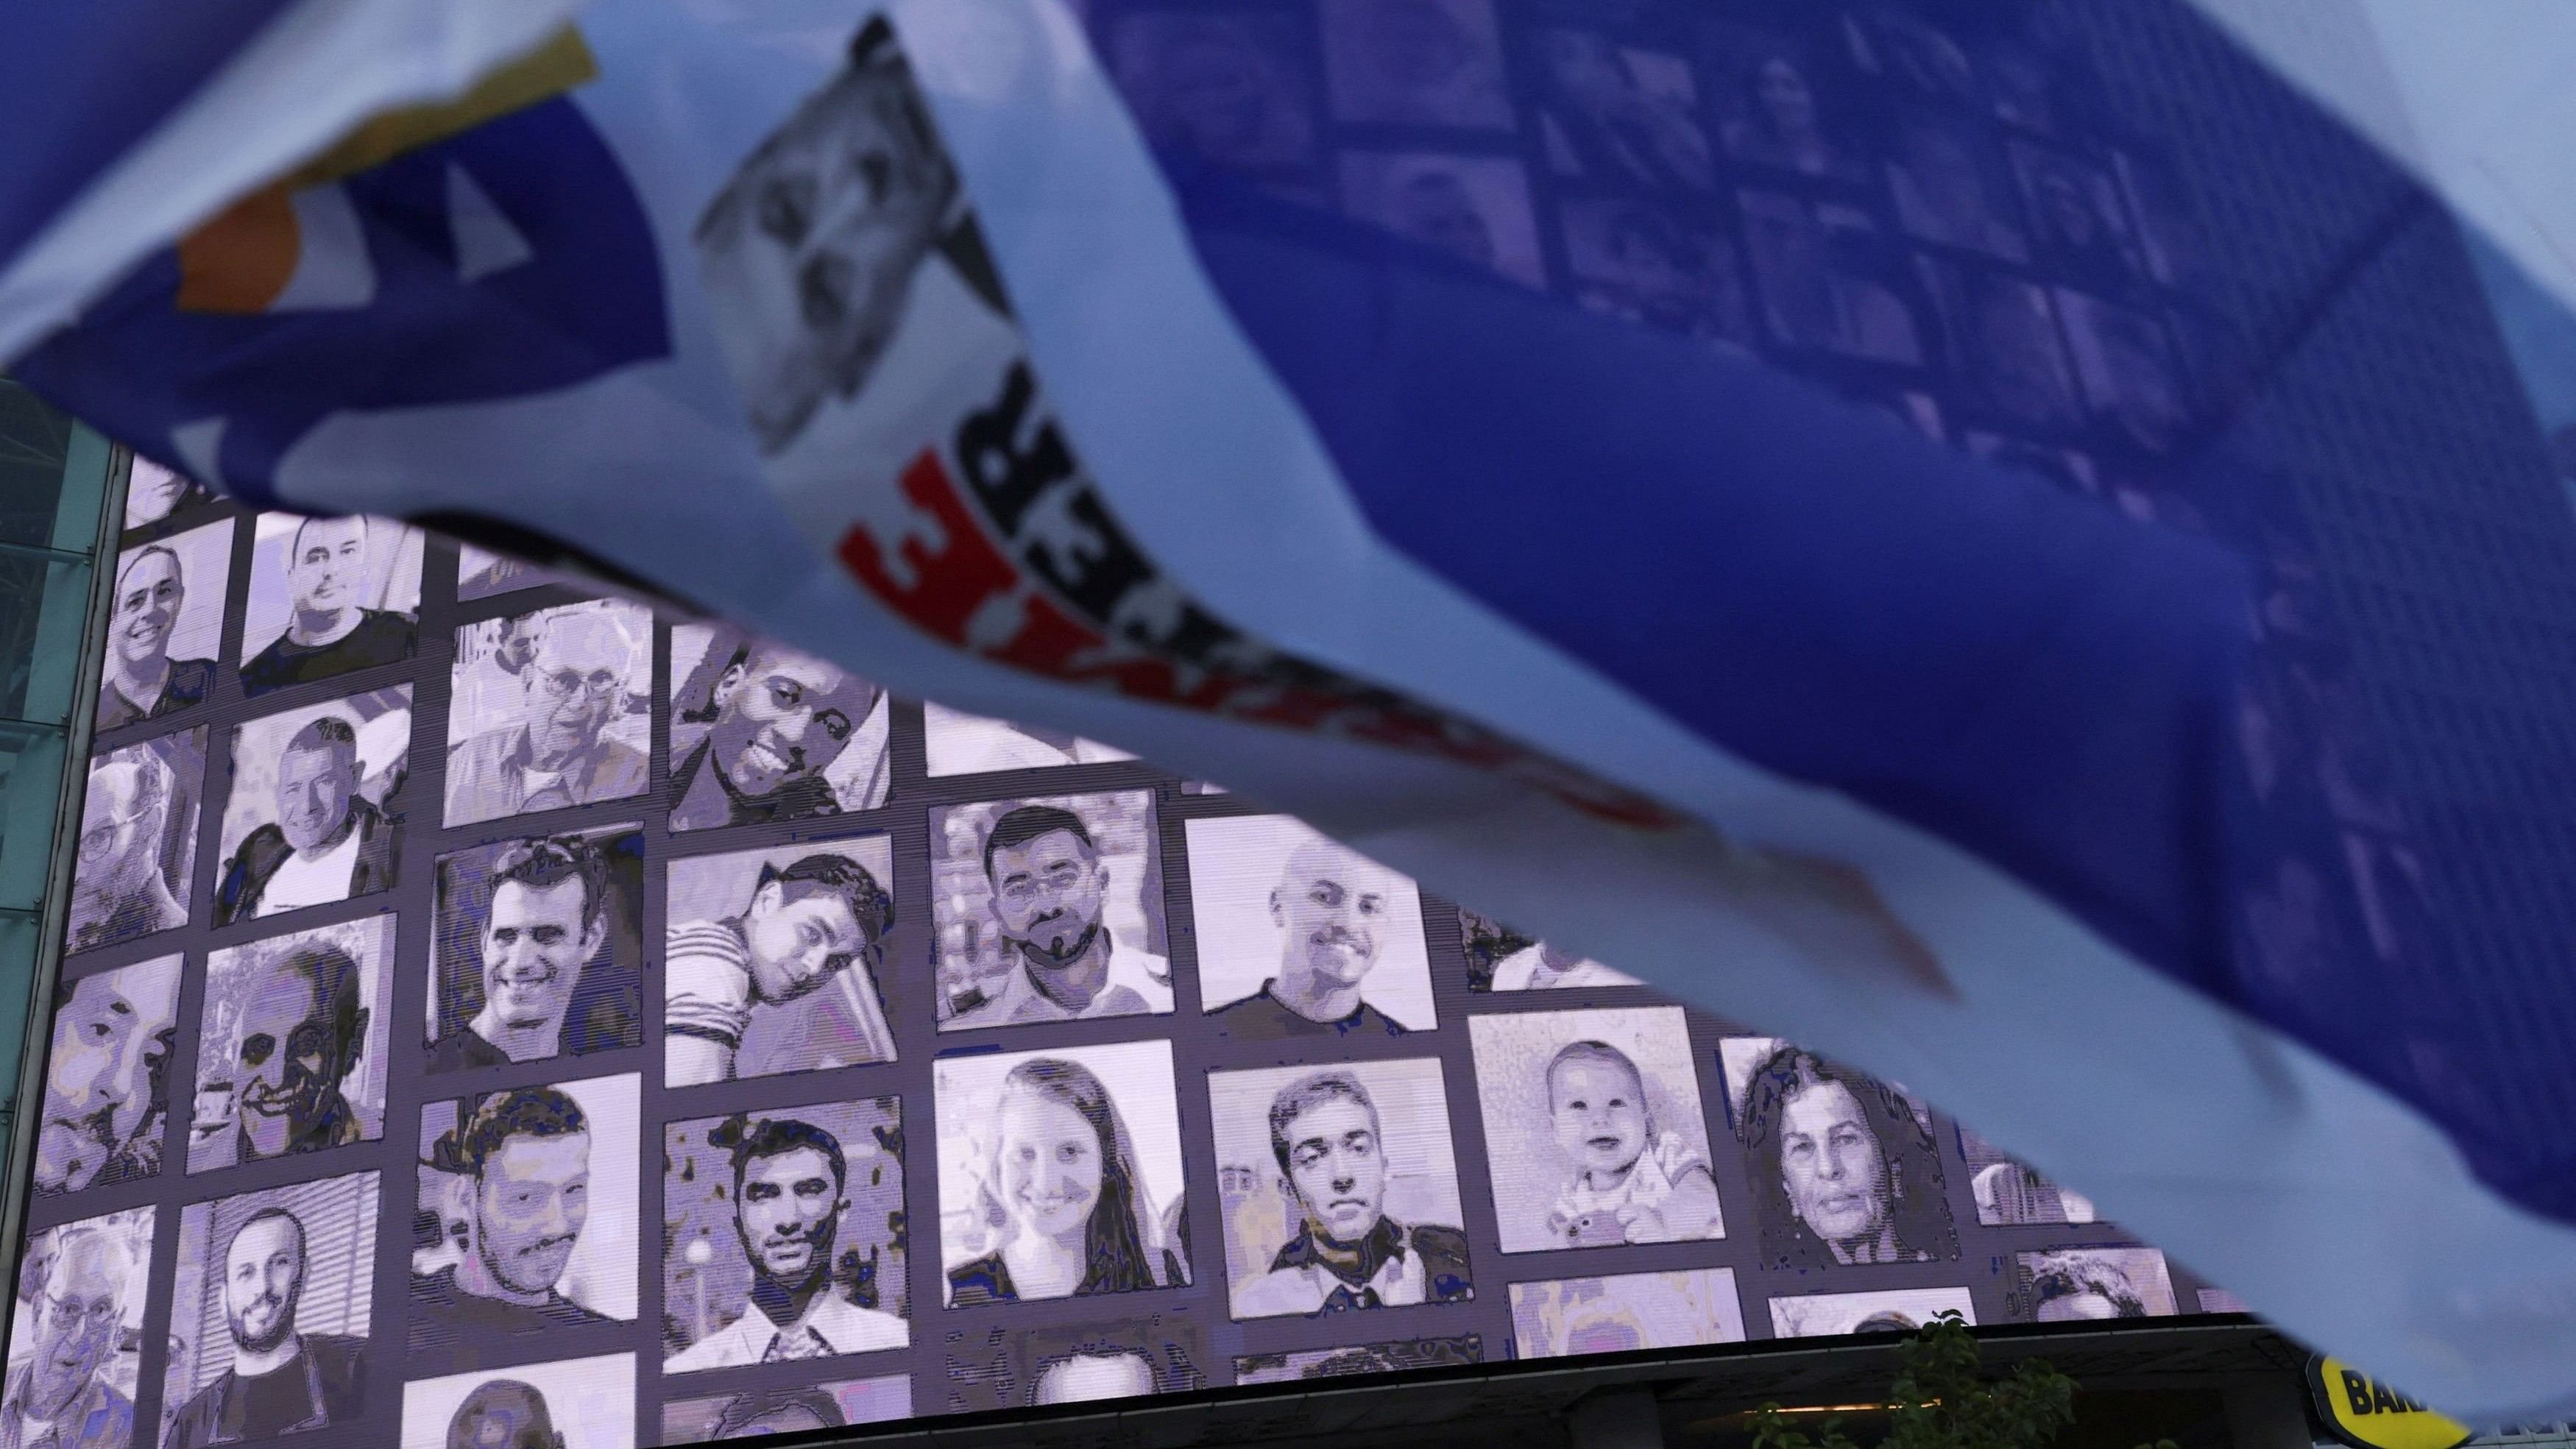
(1969, 535)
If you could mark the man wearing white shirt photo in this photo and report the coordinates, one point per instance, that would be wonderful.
(327, 843)
(790, 1191)
(1049, 888)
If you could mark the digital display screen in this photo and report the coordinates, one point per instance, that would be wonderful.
(613, 1025)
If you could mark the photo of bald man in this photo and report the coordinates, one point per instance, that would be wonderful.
(165, 620)
(549, 710)
(1301, 936)
(328, 595)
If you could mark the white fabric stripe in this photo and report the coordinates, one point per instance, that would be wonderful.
(315, 72)
(2328, 1204)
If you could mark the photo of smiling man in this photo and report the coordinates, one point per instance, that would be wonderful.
(772, 959)
(291, 1058)
(761, 732)
(312, 818)
(165, 623)
(270, 1313)
(534, 1193)
(1301, 936)
(537, 950)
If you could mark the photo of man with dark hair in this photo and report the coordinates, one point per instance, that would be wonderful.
(791, 1200)
(281, 1381)
(758, 733)
(806, 925)
(107, 1088)
(327, 842)
(1347, 1251)
(548, 917)
(330, 629)
(522, 1159)
(1049, 886)
(1844, 1172)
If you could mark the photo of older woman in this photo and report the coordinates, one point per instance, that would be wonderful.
(1844, 1170)
(1045, 1190)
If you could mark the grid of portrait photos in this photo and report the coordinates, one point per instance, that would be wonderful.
(609, 1026)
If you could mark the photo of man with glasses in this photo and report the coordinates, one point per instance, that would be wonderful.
(137, 827)
(544, 745)
(59, 1395)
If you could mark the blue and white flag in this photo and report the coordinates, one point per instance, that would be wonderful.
(1849, 518)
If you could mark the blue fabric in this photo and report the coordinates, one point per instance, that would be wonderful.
(90, 78)
(589, 300)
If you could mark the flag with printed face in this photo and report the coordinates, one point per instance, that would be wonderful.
(1884, 520)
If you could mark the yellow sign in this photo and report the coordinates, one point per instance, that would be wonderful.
(2368, 1414)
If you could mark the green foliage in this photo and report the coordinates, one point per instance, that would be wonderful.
(1942, 1400)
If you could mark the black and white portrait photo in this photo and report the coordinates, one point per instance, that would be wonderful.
(1574, 1317)
(269, 1315)
(2074, 1285)
(1302, 936)
(771, 961)
(549, 710)
(327, 596)
(2004, 338)
(1217, 87)
(1655, 264)
(1898, 1310)
(759, 1413)
(1826, 279)
(76, 1334)
(1473, 208)
(763, 732)
(317, 806)
(534, 1192)
(1076, 1363)
(136, 864)
(1502, 959)
(1844, 1170)
(807, 300)
(2011, 1193)
(1403, 1356)
(165, 625)
(154, 493)
(1060, 1174)
(291, 1050)
(1777, 107)
(580, 1403)
(107, 1077)
(537, 951)
(1048, 908)
(1950, 188)
(1339, 1188)
(1415, 63)
(1620, 114)
(959, 743)
(784, 1235)
(1594, 1129)
(2125, 363)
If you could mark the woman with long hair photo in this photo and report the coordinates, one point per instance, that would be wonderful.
(1062, 1197)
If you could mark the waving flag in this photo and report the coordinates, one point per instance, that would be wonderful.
(1516, 445)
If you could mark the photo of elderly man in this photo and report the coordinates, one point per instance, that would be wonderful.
(544, 732)
(77, 1286)
(328, 595)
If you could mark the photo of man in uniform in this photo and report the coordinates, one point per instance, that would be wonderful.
(1049, 884)
(547, 750)
(329, 631)
(523, 1158)
(120, 891)
(106, 1079)
(1346, 1253)
(548, 916)
(141, 681)
(775, 720)
(301, 1031)
(1331, 907)
(58, 1396)
(791, 1188)
(280, 1381)
(805, 924)
(328, 842)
